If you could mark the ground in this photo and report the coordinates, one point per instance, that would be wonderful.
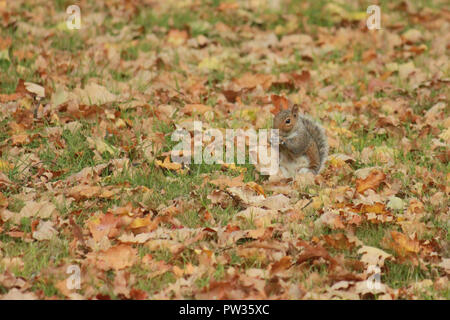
(92, 207)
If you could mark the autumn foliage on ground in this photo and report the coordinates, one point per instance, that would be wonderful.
(86, 178)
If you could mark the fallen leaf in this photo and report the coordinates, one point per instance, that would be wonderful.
(372, 181)
(117, 257)
(44, 231)
(167, 164)
(35, 88)
(373, 256)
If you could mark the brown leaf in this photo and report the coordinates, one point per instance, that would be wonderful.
(138, 294)
(19, 93)
(280, 103)
(281, 265)
(339, 241)
(81, 192)
(314, 252)
(16, 294)
(302, 78)
(251, 80)
(118, 257)
(373, 256)
(189, 109)
(104, 225)
(167, 164)
(44, 231)
(20, 139)
(402, 244)
(231, 95)
(177, 37)
(372, 181)
(226, 181)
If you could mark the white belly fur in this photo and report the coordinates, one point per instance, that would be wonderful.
(290, 168)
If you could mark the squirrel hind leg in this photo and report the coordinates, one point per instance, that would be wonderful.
(314, 158)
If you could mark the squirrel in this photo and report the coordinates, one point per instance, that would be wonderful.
(303, 143)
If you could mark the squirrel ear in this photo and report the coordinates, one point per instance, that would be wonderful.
(295, 108)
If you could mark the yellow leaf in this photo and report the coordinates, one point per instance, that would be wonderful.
(445, 135)
(140, 222)
(177, 37)
(5, 166)
(167, 164)
(256, 187)
(210, 63)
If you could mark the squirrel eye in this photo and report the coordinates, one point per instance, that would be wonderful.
(288, 121)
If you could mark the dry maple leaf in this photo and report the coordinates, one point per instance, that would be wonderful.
(189, 109)
(131, 238)
(315, 252)
(256, 187)
(373, 256)
(177, 37)
(221, 198)
(138, 294)
(5, 166)
(144, 222)
(35, 89)
(80, 192)
(16, 294)
(19, 93)
(339, 241)
(372, 181)
(94, 94)
(232, 95)
(247, 195)
(281, 265)
(251, 80)
(276, 202)
(104, 225)
(402, 244)
(378, 208)
(44, 231)
(167, 164)
(280, 103)
(20, 139)
(41, 209)
(226, 181)
(118, 257)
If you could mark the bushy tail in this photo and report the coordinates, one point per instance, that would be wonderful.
(319, 136)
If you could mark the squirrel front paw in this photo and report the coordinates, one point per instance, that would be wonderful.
(281, 141)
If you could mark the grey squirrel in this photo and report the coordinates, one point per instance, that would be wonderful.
(303, 143)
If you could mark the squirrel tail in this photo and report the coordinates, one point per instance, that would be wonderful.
(317, 133)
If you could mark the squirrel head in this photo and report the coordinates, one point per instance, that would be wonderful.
(286, 120)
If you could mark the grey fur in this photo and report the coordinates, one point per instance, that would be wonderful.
(317, 133)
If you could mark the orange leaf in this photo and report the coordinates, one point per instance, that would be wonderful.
(338, 241)
(377, 207)
(225, 181)
(402, 244)
(281, 265)
(103, 226)
(20, 139)
(118, 257)
(372, 181)
(140, 222)
(167, 164)
(195, 108)
(280, 103)
(256, 187)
